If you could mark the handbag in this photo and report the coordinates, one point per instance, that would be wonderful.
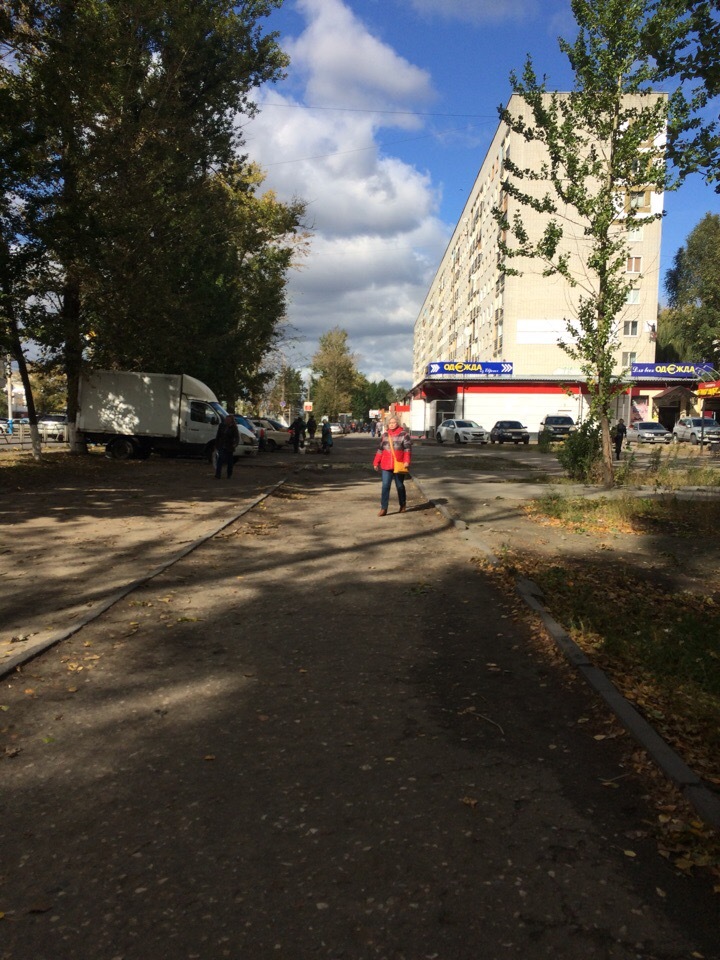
(399, 466)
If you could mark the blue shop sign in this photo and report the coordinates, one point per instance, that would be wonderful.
(470, 368)
(675, 371)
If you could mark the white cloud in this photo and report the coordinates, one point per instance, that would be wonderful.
(376, 235)
(479, 11)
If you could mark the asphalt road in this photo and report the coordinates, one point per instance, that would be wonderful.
(324, 734)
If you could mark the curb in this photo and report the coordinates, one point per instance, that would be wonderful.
(704, 800)
(33, 650)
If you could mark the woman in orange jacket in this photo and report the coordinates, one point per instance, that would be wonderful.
(394, 447)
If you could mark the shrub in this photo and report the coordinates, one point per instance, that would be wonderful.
(581, 453)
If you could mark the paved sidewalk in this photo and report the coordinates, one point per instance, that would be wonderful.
(322, 734)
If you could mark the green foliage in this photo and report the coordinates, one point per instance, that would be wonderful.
(118, 133)
(372, 395)
(683, 36)
(691, 325)
(581, 452)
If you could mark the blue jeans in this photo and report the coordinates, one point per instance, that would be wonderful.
(224, 456)
(387, 479)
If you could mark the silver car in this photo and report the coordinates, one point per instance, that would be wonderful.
(647, 431)
(461, 431)
(696, 430)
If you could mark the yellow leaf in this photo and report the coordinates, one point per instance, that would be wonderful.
(209, 756)
(629, 853)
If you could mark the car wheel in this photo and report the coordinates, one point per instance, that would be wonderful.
(501, 441)
(693, 439)
(457, 438)
(270, 444)
(492, 440)
(439, 438)
(123, 449)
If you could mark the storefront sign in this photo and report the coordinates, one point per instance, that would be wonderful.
(469, 368)
(675, 371)
(711, 389)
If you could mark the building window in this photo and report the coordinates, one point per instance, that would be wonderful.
(630, 328)
(633, 296)
(634, 265)
(638, 200)
(635, 234)
(628, 358)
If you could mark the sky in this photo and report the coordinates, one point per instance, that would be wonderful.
(381, 126)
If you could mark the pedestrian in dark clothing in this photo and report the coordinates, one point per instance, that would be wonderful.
(620, 434)
(326, 438)
(226, 439)
(298, 432)
(311, 426)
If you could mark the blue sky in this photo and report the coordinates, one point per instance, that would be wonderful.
(381, 126)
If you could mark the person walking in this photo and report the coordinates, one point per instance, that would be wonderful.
(620, 434)
(226, 439)
(326, 438)
(311, 426)
(393, 460)
(298, 432)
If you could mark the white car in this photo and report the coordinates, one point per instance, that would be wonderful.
(336, 429)
(461, 431)
(647, 431)
(696, 429)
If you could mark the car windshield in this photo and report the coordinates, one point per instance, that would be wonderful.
(559, 421)
(650, 426)
(706, 422)
(467, 423)
(511, 425)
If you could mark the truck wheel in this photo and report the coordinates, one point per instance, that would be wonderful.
(123, 449)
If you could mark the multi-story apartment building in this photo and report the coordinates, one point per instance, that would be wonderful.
(508, 328)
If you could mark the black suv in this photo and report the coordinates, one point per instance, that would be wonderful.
(557, 427)
(509, 431)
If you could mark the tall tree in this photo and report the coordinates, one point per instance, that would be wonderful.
(371, 395)
(691, 325)
(336, 374)
(599, 142)
(125, 109)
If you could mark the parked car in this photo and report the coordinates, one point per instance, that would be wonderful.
(509, 431)
(557, 426)
(244, 422)
(53, 426)
(274, 437)
(336, 429)
(696, 430)
(647, 431)
(461, 431)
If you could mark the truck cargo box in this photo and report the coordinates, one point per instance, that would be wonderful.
(130, 404)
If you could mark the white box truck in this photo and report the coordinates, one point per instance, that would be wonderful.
(134, 414)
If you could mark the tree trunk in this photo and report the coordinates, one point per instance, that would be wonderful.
(73, 356)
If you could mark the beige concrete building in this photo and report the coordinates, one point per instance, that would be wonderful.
(475, 313)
